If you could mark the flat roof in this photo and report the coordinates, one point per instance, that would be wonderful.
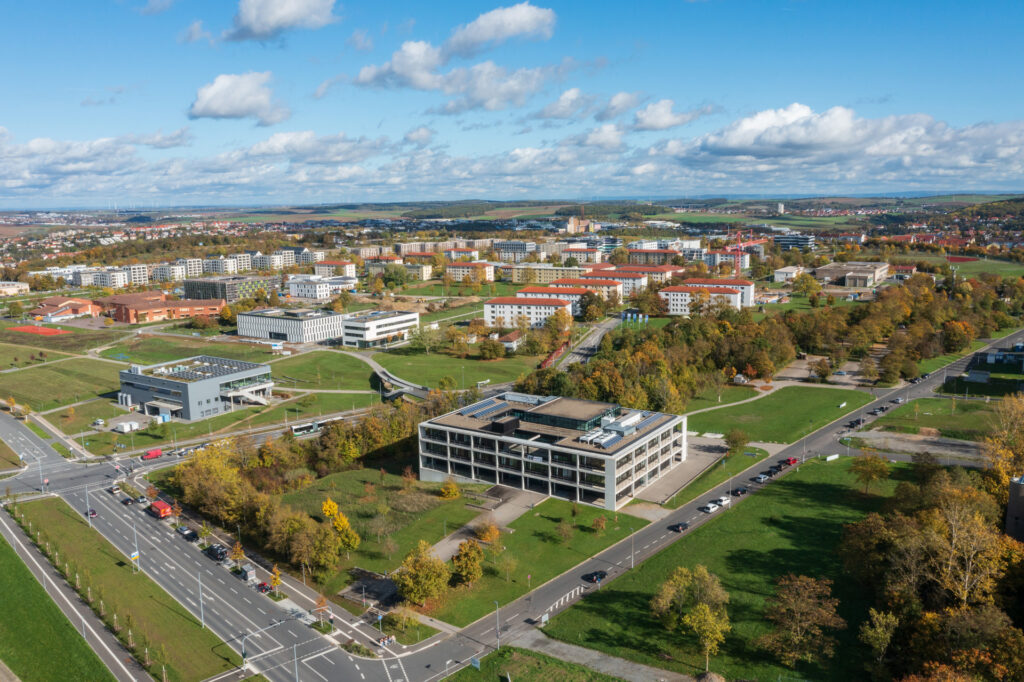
(296, 313)
(378, 315)
(573, 408)
(197, 368)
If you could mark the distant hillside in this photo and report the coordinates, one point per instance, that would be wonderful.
(993, 209)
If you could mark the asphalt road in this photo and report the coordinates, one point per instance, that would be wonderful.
(585, 350)
(279, 643)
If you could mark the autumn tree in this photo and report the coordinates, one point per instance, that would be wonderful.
(870, 469)
(237, 553)
(422, 575)
(822, 368)
(450, 490)
(565, 530)
(868, 369)
(599, 524)
(802, 613)
(736, 440)
(805, 284)
(877, 631)
(710, 628)
(684, 589)
(488, 532)
(275, 579)
(329, 509)
(467, 564)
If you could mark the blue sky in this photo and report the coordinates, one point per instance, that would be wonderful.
(183, 102)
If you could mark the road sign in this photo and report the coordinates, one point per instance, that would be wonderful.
(380, 617)
(475, 662)
(544, 619)
(134, 556)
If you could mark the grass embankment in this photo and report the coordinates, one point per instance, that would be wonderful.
(963, 419)
(76, 341)
(460, 313)
(52, 385)
(33, 629)
(173, 635)
(324, 370)
(523, 665)
(783, 416)
(427, 369)
(540, 555)
(148, 350)
(719, 473)
(940, 361)
(793, 526)
(79, 418)
(38, 430)
(995, 387)
(16, 357)
(728, 394)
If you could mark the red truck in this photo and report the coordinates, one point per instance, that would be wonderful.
(152, 454)
(160, 509)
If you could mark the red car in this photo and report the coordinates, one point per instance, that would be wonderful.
(263, 588)
(791, 461)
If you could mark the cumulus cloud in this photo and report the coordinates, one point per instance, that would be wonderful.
(307, 147)
(267, 19)
(326, 86)
(242, 95)
(570, 104)
(607, 136)
(179, 138)
(195, 33)
(360, 40)
(420, 136)
(660, 116)
(618, 104)
(495, 27)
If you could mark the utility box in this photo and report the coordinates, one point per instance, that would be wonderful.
(248, 573)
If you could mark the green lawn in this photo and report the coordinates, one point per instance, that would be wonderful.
(38, 430)
(320, 404)
(8, 458)
(19, 356)
(32, 629)
(539, 553)
(413, 633)
(78, 341)
(436, 288)
(722, 471)
(148, 350)
(523, 665)
(783, 416)
(82, 417)
(427, 370)
(184, 329)
(461, 313)
(324, 370)
(938, 362)
(995, 387)
(799, 303)
(192, 653)
(792, 526)
(729, 394)
(413, 516)
(49, 386)
(964, 419)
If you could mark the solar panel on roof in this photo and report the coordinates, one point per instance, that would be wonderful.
(612, 442)
(650, 420)
(477, 407)
(490, 410)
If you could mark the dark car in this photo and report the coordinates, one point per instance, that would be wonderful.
(217, 552)
(92, 513)
(679, 527)
(775, 468)
(263, 588)
(127, 501)
(596, 576)
(739, 492)
(190, 536)
(782, 463)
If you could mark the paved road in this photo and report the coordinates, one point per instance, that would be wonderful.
(585, 350)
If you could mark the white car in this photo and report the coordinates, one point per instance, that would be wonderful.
(710, 508)
(723, 501)
(761, 478)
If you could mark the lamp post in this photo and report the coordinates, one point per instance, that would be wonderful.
(497, 623)
(87, 514)
(202, 617)
(632, 547)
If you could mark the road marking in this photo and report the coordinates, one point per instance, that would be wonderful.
(293, 634)
(233, 590)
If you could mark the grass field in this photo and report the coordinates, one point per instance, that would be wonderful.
(32, 629)
(995, 388)
(148, 350)
(461, 313)
(79, 418)
(435, 288)
(538, 552)
(798, 303)
(19, 356)
(323, 370)
(791, 526)
(523, 665)
(427, 370)
(79, 340)
(730, 394)
(932, 364)
(726, 468)
(411, 517)
(963, 419)
(192, 653)
(783, 416)
(38, 430)
(184, 329)
(49, 386)
(8, 458)
(965, 269)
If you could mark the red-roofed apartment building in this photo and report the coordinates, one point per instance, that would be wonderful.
(631, 281)
(656, 274)
(745, 287)
(572, 294)
(679, 298)
(582, 255)
(506, 311)
(602, 287)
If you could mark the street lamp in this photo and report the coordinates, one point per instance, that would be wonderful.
(202, 618)
(632, 546)
(497, 623)
(87, 514)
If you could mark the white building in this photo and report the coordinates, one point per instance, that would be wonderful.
(169, 272)
(679, 298)
(631, 281)
(476, 272)
(584, 451)
(744, 286)
(13, 288)
(582, 255)
(379, 327)
(220, 266)
(457, 252)
(293, 326)
(193, 267)
(330, 268)
(715, 258)
(112, 279)
(243, 262)
(288, 257)
(271, 261)
(316, 289)
(138, 274)
(788, 273)
(571, 294)
(506, 311)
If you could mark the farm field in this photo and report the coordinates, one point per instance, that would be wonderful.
(32, 628)
(427, 370)
(323, 369)
(77, 341)
(79, 418)
(783, 416)
(539, 552)
(964, 269)
(16, 357)
(793, 526)
(52, 385)
(726, 468)
(963, 419)
(149, 350)
(192, 653)
(524, 665)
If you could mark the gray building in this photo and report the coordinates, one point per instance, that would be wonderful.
(1015, 509)
(196, 387)
(581, 450)
(231, 289)
(794, 240)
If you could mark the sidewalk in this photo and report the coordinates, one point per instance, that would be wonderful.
(507, 511)
(535, 640)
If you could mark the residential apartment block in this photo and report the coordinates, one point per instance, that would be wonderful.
(169, 272)
(330, 268)
(506, 311)
(679, 298)
(744, 286)
(231, 289)
(476, 272)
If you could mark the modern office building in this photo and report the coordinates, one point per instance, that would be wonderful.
(194, 388)
(231, 289)
(379, 327)
(794, 240)
(596, 453)
(294, 326)
(852, 273)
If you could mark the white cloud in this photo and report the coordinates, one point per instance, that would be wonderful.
(489, 86)
(181, 137)
(420, 136)
(618, 104)
(360, 40)
(570, 104)
(495, 27)
(195, 33)
(413, 65)
(659, 116)
(244, 95)
(306, 147)
(156, 6)
(326, 85)
(607, 136)
(266, 19)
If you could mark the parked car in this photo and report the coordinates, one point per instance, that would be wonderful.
(710, 508)
(739, 492)
(763, 477)
(182, 529)
(839, 373)
(114, 490)
(782, 463)
(898, 401)
(217, 552)
(774, 470)
(191, 536)
(596, 576)
(723, 501)
(679, 527)
(925, 375)
(791, 460)
(127, 501)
